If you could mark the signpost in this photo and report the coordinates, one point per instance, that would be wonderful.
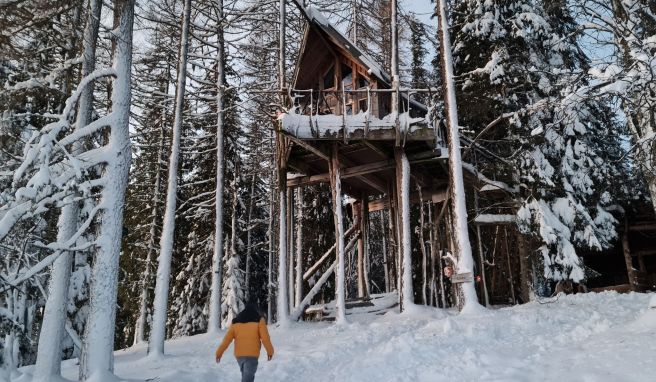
(462, 278)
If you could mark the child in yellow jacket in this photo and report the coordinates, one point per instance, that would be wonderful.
(249, 331)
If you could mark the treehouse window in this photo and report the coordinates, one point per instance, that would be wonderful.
(362, 82)
(329, 78)
(347, 77)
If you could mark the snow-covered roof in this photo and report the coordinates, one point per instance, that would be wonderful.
(316, 19)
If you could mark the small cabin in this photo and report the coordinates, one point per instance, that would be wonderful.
(329, 64)
(339, 91)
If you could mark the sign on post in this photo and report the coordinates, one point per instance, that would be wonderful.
(462, 278)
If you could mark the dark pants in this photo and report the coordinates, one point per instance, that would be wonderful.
(248, 367)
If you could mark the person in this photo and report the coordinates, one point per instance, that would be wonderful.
(249, 331)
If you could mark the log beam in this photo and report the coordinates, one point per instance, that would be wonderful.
(361, 170)
(383, 203)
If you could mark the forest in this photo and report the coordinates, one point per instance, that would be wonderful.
(144, 193)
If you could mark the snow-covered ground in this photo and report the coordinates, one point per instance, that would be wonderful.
(585, 337)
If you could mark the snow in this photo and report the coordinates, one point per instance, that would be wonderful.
(584, 337)
(494, 218)
(330, 125)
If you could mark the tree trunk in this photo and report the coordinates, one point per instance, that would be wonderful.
(160, 303)
(336, 187)
(48, 361)
(383, 231)
(299, 247)
(214, 320)
(247, 273)
(98, 350)
(422, 247)
(462, 247)
(405, 258)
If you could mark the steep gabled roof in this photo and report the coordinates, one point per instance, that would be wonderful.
(318, 22)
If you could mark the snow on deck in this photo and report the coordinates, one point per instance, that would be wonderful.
(584, 337)
(333, 126)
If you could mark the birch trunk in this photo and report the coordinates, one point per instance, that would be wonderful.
(336, 186)
(467, 301)
(48, 361)
(160, 303)
(98, 349)
(214, 321)
(403, 179)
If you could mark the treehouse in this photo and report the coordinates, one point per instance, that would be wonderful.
(346, 125)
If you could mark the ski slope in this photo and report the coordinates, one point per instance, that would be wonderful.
(585, 337)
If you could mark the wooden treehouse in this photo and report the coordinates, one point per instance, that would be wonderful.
(346, 126)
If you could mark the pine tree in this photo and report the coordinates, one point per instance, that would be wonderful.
(519, 61)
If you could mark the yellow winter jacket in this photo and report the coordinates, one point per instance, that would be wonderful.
(248, 337)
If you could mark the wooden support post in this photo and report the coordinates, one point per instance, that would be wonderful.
(526, 268)
(336, 188)
(481, 255)
(281, 158)
(357, 218)
(298, 294)
(394, 238)
(631, 272)
(365, 239)
(405, 248)
(361, 217)
(511, 279)
(383, 231)
(290, 245)
(422, 247)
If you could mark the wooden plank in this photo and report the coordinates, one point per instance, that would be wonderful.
(646, 252)
(323, 258)
(641, 227)
(296, 313)
(383, 203)
(363, 169)
(459, 278)
(307, 146)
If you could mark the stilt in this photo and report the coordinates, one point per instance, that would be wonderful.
(299, 247)
(525, 277)
(281, 157)
(422, 247)
(365, 239)
(394, 240)
(510, 273)
(360, 215)
(481, 255)
(405, 248)
(290, 246)
(383, 231)
(336, 188)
